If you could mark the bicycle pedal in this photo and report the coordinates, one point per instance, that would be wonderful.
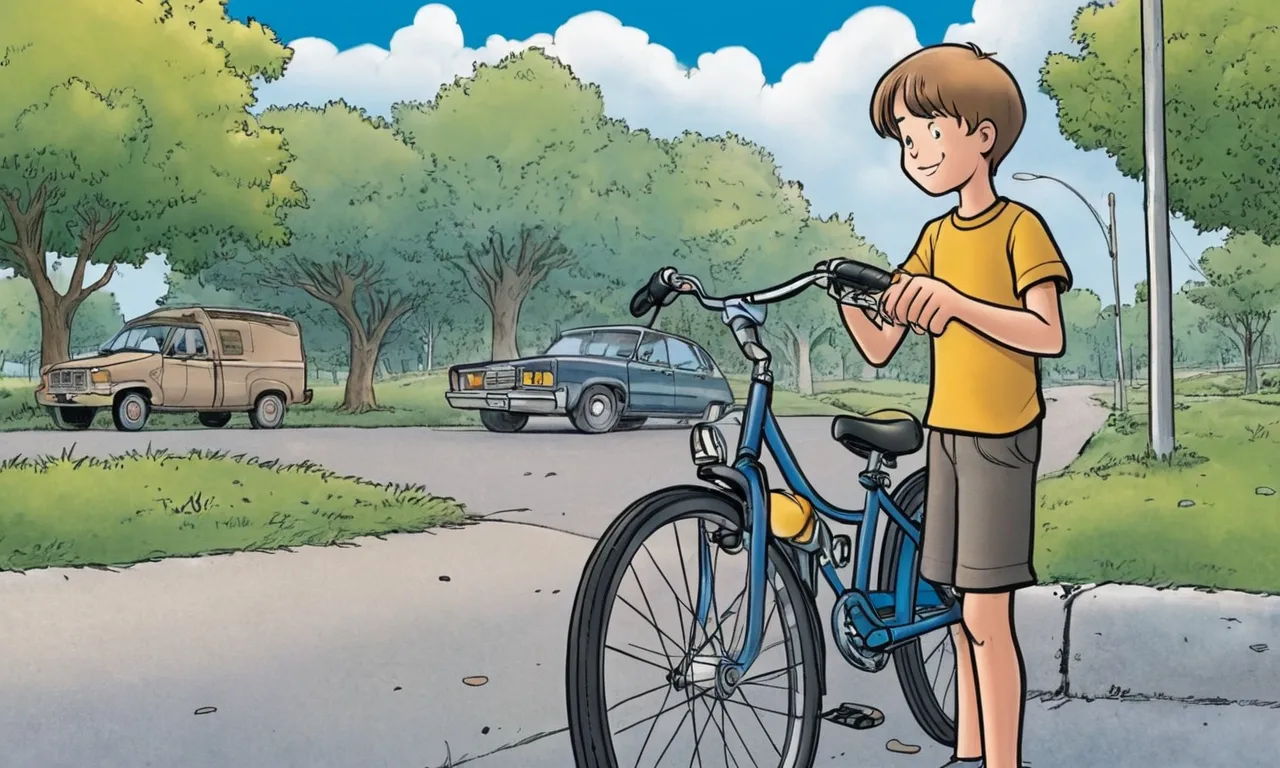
(841, 550)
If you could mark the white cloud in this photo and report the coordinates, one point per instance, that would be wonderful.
(814, 119)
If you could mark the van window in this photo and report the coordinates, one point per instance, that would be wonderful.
(138, 338)
(232, 342)
(189, 341)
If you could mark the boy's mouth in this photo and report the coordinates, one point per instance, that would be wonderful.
(932, 169)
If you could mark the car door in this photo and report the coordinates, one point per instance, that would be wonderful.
(694, 388)
(188, 370)
(652, 382)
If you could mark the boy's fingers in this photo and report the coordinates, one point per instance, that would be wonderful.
(915, 302)
(896, 305)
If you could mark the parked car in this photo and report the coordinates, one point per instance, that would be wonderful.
(208, 361)
(603, 378)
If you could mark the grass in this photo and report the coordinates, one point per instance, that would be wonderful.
(1202, 517)
(417, 400)
(64, 511)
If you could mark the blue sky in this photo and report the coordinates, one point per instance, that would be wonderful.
(778, 37)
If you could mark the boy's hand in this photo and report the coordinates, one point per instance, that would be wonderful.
(923, 303)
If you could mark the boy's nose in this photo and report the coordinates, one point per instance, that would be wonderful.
(914, 155)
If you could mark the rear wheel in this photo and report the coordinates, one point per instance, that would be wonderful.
(268, 412)
(214, 420)
(503, 421)
(926, 666)
(597, 410)
(73, 419)
(131, 411)
(641, 673)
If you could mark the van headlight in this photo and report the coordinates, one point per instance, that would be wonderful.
(707, 445)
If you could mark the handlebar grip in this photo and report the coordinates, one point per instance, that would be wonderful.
(855, 274)
(654, 294)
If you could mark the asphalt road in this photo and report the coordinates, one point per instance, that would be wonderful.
(353, 657)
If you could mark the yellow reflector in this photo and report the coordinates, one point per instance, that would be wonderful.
(100, 377)
(547, 379)
(475, 380)
(790, 516)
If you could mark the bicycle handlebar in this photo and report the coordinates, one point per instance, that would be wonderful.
(853, 275)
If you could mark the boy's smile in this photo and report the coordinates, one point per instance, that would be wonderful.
(932, 169)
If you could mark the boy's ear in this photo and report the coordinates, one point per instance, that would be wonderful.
(986, 134)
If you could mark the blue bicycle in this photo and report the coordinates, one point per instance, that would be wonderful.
(735, 546)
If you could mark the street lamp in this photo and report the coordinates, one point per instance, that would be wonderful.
(1109, 233)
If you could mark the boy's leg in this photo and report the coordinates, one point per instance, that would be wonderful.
(938, 564)
(995, 524)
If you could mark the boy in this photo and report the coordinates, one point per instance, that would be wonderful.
(984, 282)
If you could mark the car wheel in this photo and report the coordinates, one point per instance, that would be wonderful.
(597, 411)
(73, 419)
(268, 412)
(631, 424)
(214, 420)
(131, 411)
(503, 421)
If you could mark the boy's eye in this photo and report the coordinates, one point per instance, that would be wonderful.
(937, 134)
(907, 142)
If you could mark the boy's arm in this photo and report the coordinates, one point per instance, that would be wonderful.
(1039, 275)
(878, 341)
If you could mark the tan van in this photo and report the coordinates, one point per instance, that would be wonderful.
(208, 361)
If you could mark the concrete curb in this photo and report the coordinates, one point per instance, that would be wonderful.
(1121, 641)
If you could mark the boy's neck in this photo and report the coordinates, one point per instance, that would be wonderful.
(976, 196)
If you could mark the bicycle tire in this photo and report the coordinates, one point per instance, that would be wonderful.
(585, 664)
(908, 660)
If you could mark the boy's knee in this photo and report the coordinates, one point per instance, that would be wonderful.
(986, 617)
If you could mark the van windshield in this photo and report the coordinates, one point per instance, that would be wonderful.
(138, 338)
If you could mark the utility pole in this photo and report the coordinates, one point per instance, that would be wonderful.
(1122, 397)
(1159, 279)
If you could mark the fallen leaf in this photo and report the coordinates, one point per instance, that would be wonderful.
(206, 710)
(476, 681)
(893, 745)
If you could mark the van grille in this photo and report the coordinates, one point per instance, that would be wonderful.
(68, 381)
(500, 378)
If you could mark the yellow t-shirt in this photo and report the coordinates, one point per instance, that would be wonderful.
(980, 386)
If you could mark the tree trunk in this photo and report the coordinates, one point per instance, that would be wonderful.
(840, 368)
(334, 375)
(358, 396)
(804, 366)
(869, 372)
(1250, 370)
(505, 316)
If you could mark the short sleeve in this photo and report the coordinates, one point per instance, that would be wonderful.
(1034, 255)
(920, 262)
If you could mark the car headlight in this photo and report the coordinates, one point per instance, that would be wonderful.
(708, 446)
(475, 380)
(537, 379)
(100, 377)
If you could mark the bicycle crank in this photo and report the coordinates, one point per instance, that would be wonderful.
(851, 645)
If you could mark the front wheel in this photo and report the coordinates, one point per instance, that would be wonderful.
(597, 410)
(503, 421)
(131, 411)
(641, 678)
(73, 419)
(926, 665)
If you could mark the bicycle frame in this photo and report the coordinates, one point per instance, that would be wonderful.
(866, 607)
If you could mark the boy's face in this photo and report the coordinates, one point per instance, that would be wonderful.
(939, 153)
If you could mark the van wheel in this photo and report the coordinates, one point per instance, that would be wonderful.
(131, 411)
(214, 420)
(73, 419)
(503, 421)
(268, 412)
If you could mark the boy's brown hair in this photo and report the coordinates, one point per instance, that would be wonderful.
(956, 81)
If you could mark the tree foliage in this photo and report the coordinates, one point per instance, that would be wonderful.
(125, 130)
(1222, 89)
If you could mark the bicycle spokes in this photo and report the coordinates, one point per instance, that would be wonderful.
(678, 614)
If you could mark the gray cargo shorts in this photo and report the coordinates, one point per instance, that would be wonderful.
(979, 512)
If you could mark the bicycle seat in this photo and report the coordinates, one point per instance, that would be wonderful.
(890, 432)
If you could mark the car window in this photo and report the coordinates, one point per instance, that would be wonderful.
(612, 344)
(653, 351)
(232, 342)
(140, 338)
(573, 344)
(683, 358)
(707, 363)
(188, 341)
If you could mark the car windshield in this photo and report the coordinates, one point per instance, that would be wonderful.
(617, 344)
(139, 338)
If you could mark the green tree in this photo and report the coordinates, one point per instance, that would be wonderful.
(356, 246)
(1242, 291)
(1220, 96)
(126, 130)
(808, 319)
(530, 197)
(1083, 320)
(19, 322)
